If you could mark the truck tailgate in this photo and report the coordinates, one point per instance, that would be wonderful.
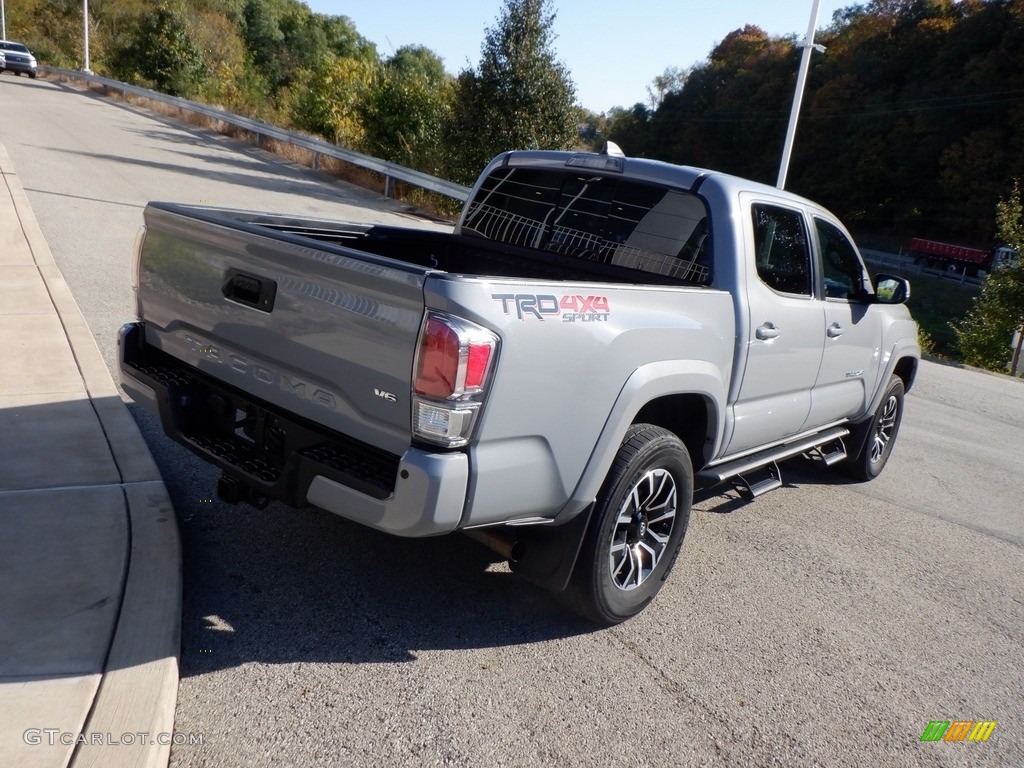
(319, 329)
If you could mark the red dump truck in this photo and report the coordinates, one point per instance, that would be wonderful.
(958, 257)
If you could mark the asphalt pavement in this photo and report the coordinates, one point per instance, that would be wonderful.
(90, 575)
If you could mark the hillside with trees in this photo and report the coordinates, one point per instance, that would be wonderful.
(912, 124)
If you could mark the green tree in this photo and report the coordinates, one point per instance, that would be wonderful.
(284, 37)
(418, 60)
(629, 128)
(404, 113)
(326, 100)
(161, 53)
(519, 97)
(998, 311)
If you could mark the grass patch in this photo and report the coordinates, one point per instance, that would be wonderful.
(934, 303)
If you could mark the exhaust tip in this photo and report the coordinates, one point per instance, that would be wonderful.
(509, 548)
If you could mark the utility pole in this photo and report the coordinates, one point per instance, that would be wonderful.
(85, 34)
(3, 21)
(801, 81)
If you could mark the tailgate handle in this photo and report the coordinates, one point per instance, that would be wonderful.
(256, 292)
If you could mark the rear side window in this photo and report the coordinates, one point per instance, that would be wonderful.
(782, 253)
(608, 220)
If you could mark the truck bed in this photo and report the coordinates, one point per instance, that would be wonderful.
(441, 251)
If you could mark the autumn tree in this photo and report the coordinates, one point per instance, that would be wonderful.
(728, 113)
(52, 30)
(520, 96)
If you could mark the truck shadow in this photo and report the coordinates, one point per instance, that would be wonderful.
(283, 586)
(724, 499)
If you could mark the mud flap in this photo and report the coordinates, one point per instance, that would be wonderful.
(549, 554)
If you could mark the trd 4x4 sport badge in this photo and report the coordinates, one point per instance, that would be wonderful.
(573, 309)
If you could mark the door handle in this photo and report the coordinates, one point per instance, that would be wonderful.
(256, 292)
(834, 331)
(767, 331)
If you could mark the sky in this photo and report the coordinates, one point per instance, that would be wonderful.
(613, 50)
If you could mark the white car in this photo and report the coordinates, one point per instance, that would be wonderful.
(16, 58)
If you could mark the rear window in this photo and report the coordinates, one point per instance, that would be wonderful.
(609, 220)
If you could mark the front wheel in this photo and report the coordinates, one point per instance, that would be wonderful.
(877, 444)
(637, 528)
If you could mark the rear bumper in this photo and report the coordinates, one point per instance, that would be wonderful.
(285, 457)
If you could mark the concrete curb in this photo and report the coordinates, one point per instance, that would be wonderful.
(138, 690)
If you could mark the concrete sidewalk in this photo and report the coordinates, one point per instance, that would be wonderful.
(90, 575)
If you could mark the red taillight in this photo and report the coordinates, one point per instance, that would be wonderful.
(454, 358)
(439, 360)
(478, 360)
(452, 367)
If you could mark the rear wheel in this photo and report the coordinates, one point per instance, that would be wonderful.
(637, 527)
(876, 446)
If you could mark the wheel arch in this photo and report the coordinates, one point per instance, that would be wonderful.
(906, 369)
(686, 397)
(686, 416)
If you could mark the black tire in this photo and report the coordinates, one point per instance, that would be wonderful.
(877, 436)
(32, 75)
(628, 551)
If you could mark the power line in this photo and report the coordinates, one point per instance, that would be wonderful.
(904, 107)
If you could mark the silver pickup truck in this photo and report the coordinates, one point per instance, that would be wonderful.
(596, 336)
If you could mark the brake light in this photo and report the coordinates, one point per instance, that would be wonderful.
(439, 360)
(452, 365)
(478, 360)
(454, 357)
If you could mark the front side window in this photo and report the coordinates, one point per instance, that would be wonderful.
(782, 253)
(844, 275)
(602, 219)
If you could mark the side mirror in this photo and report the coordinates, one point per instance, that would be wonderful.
(890, 289)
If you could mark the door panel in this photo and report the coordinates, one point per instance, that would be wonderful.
(784, 334)
(853, 333)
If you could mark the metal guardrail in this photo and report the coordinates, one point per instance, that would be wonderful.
(906, 264)
(390, 171)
